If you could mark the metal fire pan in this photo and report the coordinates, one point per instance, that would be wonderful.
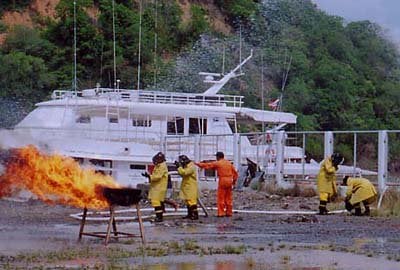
(122, 196)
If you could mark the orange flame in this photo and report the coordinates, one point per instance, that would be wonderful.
(54, 179)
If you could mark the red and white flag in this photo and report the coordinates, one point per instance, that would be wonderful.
(273, 104)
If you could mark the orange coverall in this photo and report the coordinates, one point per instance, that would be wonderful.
(228, 176)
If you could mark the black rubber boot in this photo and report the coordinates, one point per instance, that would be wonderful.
(194, 212)
(367, 211)
(159, 214)
(322, 208)
(163, 207)
(189, 213)
(348, 205)
(357, 211)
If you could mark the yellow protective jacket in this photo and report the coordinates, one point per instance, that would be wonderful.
(360, 189)
(326, 179)
(158, 182)
(189, 182)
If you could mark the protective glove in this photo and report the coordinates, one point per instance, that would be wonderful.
(177, 164)
(145, 174)
(336, 167)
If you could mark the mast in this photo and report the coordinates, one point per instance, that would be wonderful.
(240, 46)
(74, 86)
(223, 60)
(155, 43)
(262, 88)
(140, 43)
(115, 64)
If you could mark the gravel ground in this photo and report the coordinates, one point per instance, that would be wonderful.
(34, 234)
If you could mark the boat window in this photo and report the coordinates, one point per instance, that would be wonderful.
(171, 168)
(137, 167)
(102, 166)
(83, 119)
(197, 126)
(113, 120)
(176, 126)
(232, 124)
(209, 173)
(141, 123)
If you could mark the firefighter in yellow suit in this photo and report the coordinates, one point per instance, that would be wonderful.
(326, 181)
(158, 184)
(189, 191)
(359, 190)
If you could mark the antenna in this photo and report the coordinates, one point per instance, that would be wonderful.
(285, 76)
(74, 87)
(140, 43)
(240, 46)
(223, 60)
(115, 65)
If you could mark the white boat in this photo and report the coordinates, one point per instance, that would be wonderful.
(117, 131)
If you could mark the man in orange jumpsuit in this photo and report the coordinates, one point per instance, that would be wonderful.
(227, 176)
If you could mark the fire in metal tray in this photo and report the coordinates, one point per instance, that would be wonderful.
(54, 179)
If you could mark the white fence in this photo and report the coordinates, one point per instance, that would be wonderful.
(295, 156)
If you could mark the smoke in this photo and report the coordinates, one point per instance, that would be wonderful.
(208, 54)
(10, 138)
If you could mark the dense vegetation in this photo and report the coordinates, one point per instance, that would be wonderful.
(341, 76)
(14, 4)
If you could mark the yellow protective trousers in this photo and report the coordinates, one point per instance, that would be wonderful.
(323, 196)
(190, 202)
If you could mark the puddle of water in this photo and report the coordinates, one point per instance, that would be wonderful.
(204, 266)
(217, 266)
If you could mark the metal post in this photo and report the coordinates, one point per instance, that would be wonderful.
(328, 143)
(303, 159)
(257, 150)
(216, 143)
(354, 154)
(280, 153)
(163, 145)
(196, 152)
(236, 150)
(382, 159)
(180, 146)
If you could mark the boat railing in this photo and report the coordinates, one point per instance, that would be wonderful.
(147, 96)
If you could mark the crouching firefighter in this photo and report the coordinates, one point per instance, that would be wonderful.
(188, 191)
(326, 181)
(158, 185)
(359, 190)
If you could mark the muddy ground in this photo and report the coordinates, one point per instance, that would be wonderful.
(36, 235)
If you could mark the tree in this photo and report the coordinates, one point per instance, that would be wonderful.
(29, 41)
(24, 76)
(89, 42)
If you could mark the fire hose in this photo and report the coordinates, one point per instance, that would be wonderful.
(180, 211)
